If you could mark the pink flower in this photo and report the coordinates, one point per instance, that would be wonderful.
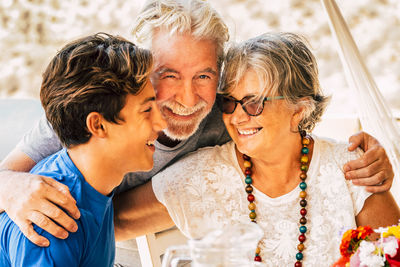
(395, 260)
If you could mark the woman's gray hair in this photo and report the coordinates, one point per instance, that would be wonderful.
(196, 17)
(285, 67)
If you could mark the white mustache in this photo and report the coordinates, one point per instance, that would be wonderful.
(179, 109)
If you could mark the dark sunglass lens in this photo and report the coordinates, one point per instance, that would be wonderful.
(228, 105)
(253, 108)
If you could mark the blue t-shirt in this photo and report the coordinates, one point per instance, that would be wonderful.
(92, 245)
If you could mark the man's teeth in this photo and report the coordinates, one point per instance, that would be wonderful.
(248, 132)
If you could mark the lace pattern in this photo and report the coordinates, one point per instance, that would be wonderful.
(205, 191)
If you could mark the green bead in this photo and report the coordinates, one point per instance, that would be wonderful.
(248, 180)
(304, 150)
(303, 185)
(252, 215)
(303, 229)
(304, 168)
(299, 256)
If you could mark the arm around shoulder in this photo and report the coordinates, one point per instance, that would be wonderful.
(15, 165)
(138, 212)
(29, 198)
(380, 210)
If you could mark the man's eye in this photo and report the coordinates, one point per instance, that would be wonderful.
(148, 110)
(168, 76)
(203, 76)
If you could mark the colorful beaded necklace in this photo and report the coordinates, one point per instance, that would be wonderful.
(306, 140)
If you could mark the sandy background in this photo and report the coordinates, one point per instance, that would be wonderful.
(31, 31)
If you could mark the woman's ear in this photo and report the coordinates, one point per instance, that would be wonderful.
(298, 114)
(95, 124)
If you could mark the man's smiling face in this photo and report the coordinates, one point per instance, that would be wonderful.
(185, 79)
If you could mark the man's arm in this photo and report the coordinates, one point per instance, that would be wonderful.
(380, 210)
(29, 199)
(138, 212)
(373, 169)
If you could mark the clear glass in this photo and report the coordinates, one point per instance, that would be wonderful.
(195, 255)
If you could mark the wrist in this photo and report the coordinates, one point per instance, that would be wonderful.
(4, 181)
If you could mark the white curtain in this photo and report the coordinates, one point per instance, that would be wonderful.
(375, 115)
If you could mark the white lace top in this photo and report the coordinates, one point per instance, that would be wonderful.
(205, 191)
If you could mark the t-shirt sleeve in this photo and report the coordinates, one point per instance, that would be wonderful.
(358, 193)
(40, 142)
(22, 252)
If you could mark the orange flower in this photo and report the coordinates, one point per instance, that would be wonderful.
(351, 240)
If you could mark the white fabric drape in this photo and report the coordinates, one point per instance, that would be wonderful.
(374, 113)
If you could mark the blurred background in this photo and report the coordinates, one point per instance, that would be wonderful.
(31, 31)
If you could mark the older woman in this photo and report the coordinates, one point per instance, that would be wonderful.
(273, 172)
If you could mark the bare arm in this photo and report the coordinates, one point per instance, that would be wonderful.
(138, 212)
(373, 169)
(380, 210)
(29, 198)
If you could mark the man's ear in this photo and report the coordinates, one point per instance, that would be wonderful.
(95, 124)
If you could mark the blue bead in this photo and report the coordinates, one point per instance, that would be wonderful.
(304, 150)
(299, 256)
(303, 229)
(303, 185)
(248, 180)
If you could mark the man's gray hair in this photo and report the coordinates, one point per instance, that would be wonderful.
(196, 17)
(285, 67)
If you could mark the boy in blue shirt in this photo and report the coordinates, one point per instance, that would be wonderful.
(97, 97)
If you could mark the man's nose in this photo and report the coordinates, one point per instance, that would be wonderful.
(187, 94)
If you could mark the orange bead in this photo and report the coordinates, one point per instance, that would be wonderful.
(306, 141)
(247, 164)
(300, 247)
(303, 194)
(258, 250)
(252, 206)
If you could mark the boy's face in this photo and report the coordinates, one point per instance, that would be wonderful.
(131, 142)
(185, 78)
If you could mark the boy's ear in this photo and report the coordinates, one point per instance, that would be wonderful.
(95, 124)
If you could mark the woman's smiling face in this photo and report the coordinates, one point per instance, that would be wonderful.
(257, 135)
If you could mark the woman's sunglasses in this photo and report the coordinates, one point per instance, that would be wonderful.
(251, 106)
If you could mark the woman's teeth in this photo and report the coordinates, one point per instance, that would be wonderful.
(248, 131)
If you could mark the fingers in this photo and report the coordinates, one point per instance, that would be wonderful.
(373, 180)
(54, 213)
(365, 171)
(356, 140)
(385, 186)
(48, 225)
(364, 161)
(28, 231)
(59, 194)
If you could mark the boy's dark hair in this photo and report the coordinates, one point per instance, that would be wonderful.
(94, 73)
